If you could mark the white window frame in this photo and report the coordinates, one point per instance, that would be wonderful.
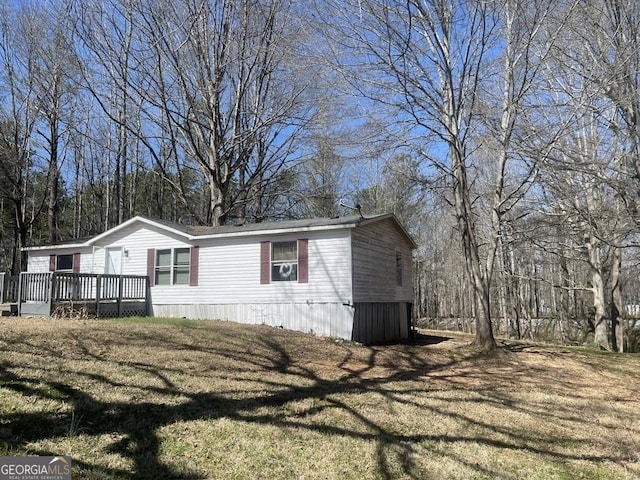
(174, 267)
(287, 268)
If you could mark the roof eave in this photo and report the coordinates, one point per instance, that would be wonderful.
(277, 231)
(133, 220)
(60, 246)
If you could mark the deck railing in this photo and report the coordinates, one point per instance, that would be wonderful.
(35, 287)
(84, 287)
(53, 288)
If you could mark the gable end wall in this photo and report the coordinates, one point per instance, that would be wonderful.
(374, 248)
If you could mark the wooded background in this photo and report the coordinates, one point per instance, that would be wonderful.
(504, 134)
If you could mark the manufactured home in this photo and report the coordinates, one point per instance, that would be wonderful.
(347, 277)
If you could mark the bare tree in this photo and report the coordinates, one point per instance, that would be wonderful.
(214, 86)
(18, 124)
(104, 33)
(592, 171)
(434, 62)
(46, 28)
(320, 177)
(612, 62)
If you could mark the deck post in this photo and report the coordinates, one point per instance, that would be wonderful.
(98, 286)
(20, 294)
(120, 289)
(147, 294)
(53, 293)
(75, 287)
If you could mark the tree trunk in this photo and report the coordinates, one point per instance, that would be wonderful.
(484, 332)
(216, 207)
(566, 294)
(601, 335)
(617, 330)
(53, 181)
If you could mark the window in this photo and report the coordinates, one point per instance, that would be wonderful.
(284, 261)
(172, 266)
(68, 262)
(399, 268)
(181, 259)
(64, 262)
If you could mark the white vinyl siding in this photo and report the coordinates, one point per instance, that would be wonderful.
(38, 262)
(230, 271)
(229, 268)
(381, 264)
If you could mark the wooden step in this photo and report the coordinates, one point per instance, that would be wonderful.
(8, 309)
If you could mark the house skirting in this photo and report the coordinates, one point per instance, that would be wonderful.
(323, 319)
(366, 323)
(382, 322)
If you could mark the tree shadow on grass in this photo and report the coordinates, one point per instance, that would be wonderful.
(135, 425)
(429, 339)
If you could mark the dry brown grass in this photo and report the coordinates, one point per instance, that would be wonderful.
(221, 400)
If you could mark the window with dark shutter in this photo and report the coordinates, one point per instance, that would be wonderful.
(65, 263)
(284, 261)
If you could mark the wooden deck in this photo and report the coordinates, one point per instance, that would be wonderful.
(93, 295)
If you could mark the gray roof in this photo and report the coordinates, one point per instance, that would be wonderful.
(300, 224)
(195, 232)
(265, 226)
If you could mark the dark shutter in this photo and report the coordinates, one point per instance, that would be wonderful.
(52, 263)
(303, 260)
(151, 266)
(265, 262)
(76, 263)
(194, 266)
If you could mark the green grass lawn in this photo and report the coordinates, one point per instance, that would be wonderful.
(180, 399)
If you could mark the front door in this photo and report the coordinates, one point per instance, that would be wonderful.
(113, 261)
